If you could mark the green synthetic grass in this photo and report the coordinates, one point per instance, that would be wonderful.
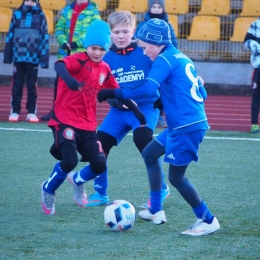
(226, 176)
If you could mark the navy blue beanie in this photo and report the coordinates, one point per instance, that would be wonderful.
(155, 31)
(98, 33)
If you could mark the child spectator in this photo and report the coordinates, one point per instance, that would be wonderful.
(182, 97)
(27, 46)
(73, 121)
(252, 43)
(130, 67)
(157, 10)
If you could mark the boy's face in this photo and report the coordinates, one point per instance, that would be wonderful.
(95, 53)
(152, 51)
(30, 2)
(121, 35)
(156, 9)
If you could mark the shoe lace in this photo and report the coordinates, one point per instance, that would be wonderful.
(49, 200)
(196, 224)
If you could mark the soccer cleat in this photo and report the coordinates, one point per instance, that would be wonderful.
(255, 129)
(79, 194)
(165, 194)
(47, 202)
(200, 228)
(97, 200)
(158, 218)
(32, 118)
(161, 122)
(13, 117)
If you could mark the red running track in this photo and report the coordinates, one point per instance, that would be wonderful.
(229, 113)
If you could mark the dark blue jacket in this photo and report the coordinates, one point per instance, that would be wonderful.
(27, 39)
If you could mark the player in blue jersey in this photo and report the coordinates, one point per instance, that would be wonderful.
(130, 67)
(182, 97)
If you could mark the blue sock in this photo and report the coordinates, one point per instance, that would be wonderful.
(164, 185)
(203, 213)
(156, 205)
(84, 175)
(56, 178)
(101, 183)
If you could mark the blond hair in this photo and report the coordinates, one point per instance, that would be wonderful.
(121, 17)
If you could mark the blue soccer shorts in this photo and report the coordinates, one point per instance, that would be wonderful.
(181, 149)
(118, 123)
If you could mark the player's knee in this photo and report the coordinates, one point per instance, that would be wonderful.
(177, 175)
(107, 141)
(142, 137)
(67, 165)
(98, 167)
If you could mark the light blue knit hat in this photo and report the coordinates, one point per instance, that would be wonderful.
(98, 33)
(155, 31)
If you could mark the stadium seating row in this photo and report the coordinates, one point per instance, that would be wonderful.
(204, 27)
(208, 7)
(46, 4)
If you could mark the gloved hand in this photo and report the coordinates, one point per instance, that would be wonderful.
(158, 104)
(105, 94)
(73, 45)
(66, 46)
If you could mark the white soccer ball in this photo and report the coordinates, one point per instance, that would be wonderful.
(119, 215)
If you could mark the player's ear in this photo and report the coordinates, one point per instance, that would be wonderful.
(133, 32)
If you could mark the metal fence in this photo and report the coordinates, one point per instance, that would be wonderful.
(207, 30)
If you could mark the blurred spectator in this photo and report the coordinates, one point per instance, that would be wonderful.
(27, 46)
(252, 43)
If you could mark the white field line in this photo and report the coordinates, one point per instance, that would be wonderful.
(130, 134)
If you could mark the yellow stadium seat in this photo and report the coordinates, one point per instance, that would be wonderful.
(49, 18)
(177, 6)
(102, 5)
(241, 26)
(173, 20)
(215, 7)
(11, 3)
(53, 4)
(6, 15)
(250, 8)
(135, 6)
(205, 28)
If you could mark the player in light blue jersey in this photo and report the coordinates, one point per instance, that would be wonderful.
(182, 97)
(130, 67)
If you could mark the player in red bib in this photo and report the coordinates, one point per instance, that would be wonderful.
(73, 121)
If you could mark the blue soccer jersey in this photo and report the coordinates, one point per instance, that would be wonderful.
(130, 70)
(181, 93)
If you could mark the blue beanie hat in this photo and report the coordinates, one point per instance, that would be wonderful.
(155, 31)
(98, 33)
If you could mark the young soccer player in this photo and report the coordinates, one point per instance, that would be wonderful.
(27, 46)
(182, 97)
(130, 67)
(156, 9)
(73, 121)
